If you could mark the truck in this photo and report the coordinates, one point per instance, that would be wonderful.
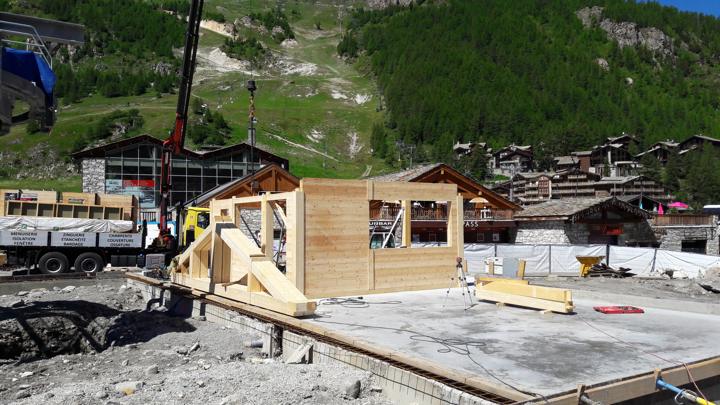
(54, 252)
(37, 231)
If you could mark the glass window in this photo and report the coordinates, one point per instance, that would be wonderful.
(224, 169)
(194, 168)
(113, 165)
(194, 183)
(179, 183)
(208, 183)
(146, 166)
(223, 180)
(177, 196)
(179, 168)
(130, 167)
(146, 151)
(131, 153)
(238, 170)
(210, 169)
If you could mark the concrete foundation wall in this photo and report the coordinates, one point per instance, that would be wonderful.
(542, 232)
(93, 175)
(399, 385)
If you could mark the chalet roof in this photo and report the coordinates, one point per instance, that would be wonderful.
(565, 160)
(659, 145)
(618, 180)
(100, 151)
(525, 150)
(408, 174)
(700, 137)
(221, 189)
(425, 173)
(576, 171)
(573, 209)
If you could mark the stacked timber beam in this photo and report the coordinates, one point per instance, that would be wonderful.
(68, 205)
(327, 246)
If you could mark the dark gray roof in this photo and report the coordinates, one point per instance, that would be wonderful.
(575, 208)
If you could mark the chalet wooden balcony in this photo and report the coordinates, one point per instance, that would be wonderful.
(683, 220)
(440, 214)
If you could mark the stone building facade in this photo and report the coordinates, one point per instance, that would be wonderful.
(695, 239)
(584, 221)
(93, 175)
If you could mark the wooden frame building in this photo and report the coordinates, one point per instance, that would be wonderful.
(327, 249)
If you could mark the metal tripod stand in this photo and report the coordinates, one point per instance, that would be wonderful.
(460, 278)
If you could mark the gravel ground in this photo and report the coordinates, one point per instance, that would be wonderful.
(686, 289)
(97, 345)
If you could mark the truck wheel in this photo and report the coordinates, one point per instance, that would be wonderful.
(53, 263)
(89, 263)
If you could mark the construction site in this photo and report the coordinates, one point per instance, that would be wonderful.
(273, 289)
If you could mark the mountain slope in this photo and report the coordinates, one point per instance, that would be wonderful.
(531, 72)
(312, 107)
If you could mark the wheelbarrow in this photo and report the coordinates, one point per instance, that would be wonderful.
(587, 262)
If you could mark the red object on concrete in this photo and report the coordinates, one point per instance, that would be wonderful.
(619, 309)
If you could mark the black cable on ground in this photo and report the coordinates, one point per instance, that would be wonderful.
(358, 302)
(449, 345)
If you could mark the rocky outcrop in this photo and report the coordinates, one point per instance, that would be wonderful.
(380, 4)
(627, 33)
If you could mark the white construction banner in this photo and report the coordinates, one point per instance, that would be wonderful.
(120, 240)
(72, 239)
(692, 264)
(639, 260)
(563, 259)
(475, 254)
(537, 257)
(23, 238)
(55, 224)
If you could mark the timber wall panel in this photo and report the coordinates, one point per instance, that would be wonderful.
(338, 260)
(336, 236)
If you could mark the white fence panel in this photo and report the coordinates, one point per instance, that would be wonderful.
(691, 263)
(537, 257)
(564, 258)
(475, 254)
(639, 260)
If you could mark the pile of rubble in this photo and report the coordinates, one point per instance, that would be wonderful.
(98, 344)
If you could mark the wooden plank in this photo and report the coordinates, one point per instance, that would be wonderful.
(275, 282)
(534, 291)
(483, 293)
(483, 280)
(393, 191)
(407, 223)
(266, 228)
(643, 384)
(295, 242)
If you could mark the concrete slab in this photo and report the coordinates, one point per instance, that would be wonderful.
(545, 354)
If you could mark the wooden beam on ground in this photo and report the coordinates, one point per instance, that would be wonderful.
(643, 384)
(524, 295)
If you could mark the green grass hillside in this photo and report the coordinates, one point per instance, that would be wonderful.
(313, 108)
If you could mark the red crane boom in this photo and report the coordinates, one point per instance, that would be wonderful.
(175, 143)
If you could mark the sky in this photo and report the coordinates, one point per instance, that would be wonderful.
(711, 7)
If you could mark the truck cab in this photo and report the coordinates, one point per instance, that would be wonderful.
(196, 221)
